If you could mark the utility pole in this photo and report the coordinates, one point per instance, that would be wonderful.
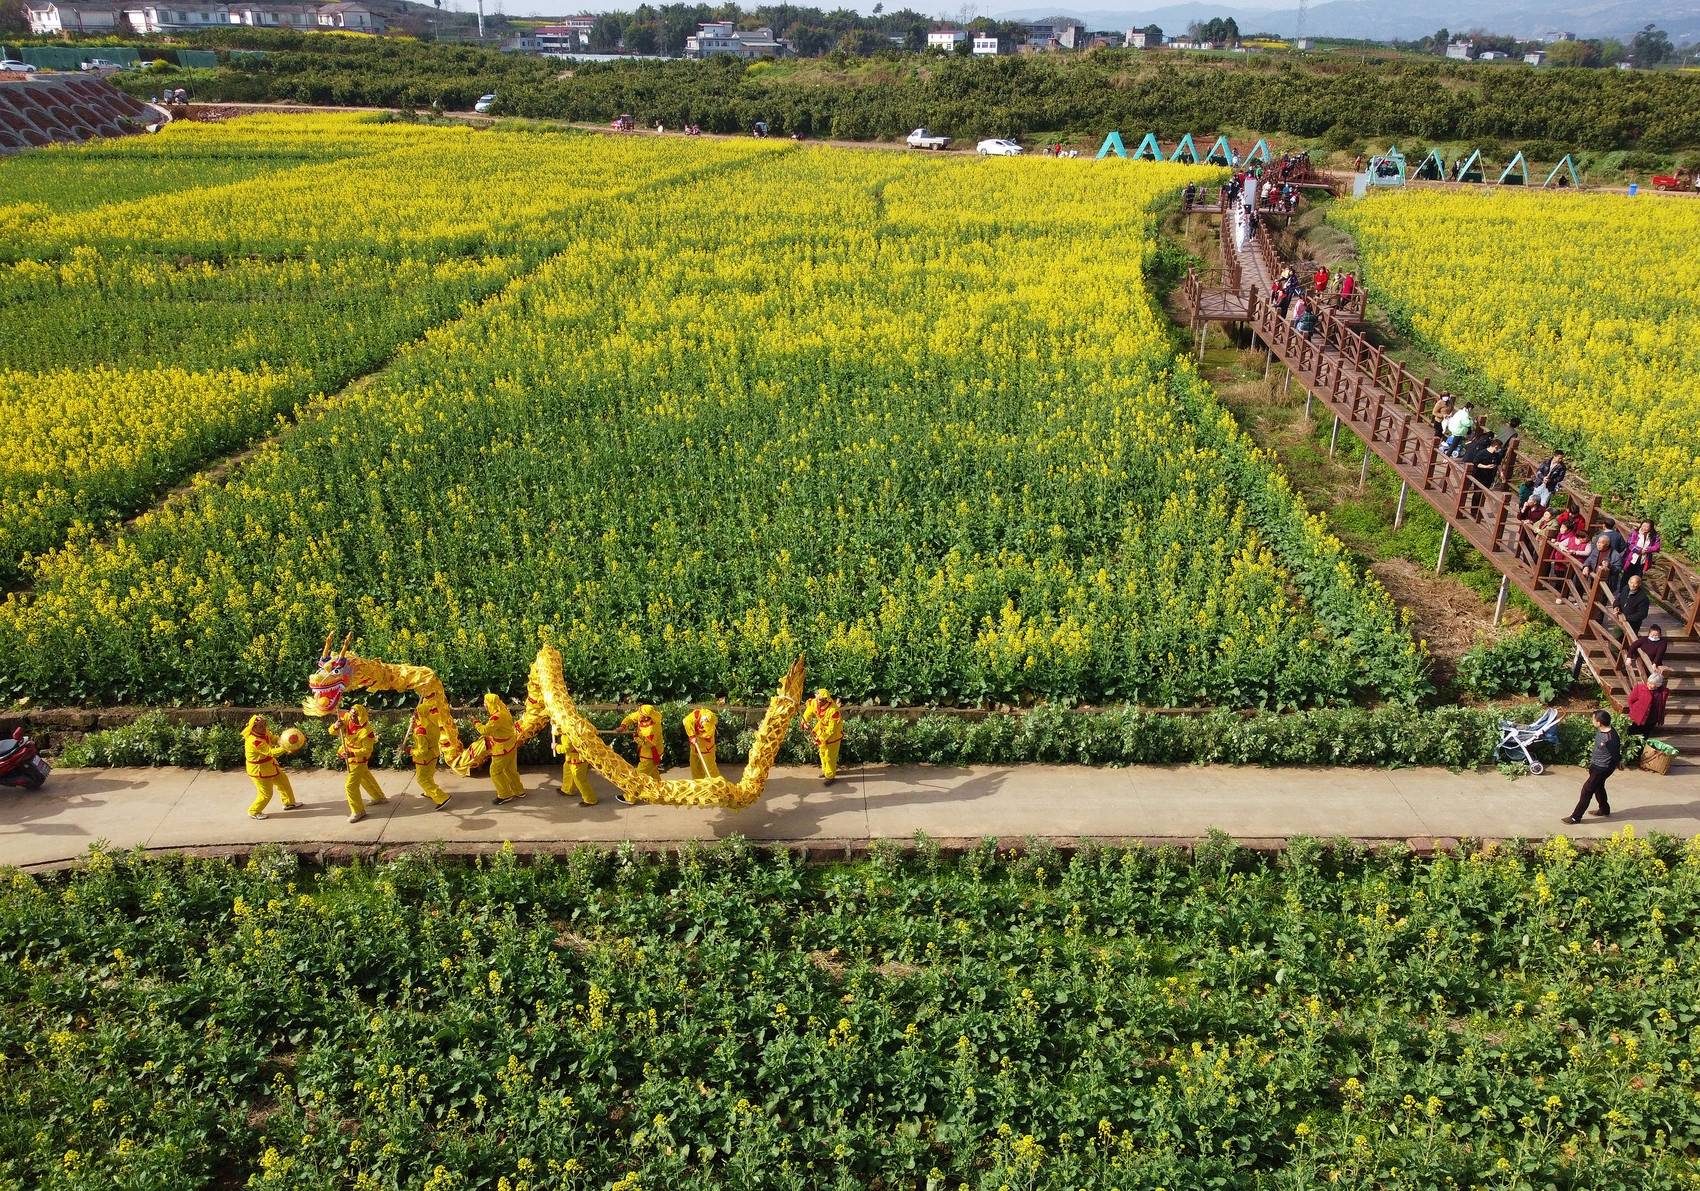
(480, 20)
(1298, 33)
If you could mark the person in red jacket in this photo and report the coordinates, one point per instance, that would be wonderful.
(1647, 702)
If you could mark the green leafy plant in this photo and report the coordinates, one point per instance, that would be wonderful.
(1530, 660)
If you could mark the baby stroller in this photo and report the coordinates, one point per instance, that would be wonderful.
(1516, 740)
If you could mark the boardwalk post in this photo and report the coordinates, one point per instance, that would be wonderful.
(1499, 604)
(1334, 437)
(1445, 540)
(1268, 360)
(1363, 472)
(1399, 513)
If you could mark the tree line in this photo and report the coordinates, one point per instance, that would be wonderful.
(1338, 101)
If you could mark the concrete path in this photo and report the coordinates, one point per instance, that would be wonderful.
(169, 809)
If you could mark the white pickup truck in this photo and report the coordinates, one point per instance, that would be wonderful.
(922, 138)
(100, 65)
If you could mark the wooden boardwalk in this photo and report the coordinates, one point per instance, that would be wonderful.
(1388, 409)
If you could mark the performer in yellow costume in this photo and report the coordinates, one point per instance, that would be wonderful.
(645, 726)
(260, 752)
(498, 732)
(824, 722)
(358, 743)
(700, 726)
(423, 748)
(575, 770)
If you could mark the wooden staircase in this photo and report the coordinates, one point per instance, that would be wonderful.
(1380, 402)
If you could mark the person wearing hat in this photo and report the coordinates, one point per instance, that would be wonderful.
(700, 726)
(423, 747)
(644, 725)
(260, 751)
(575, 770)
(358, 744)
(499, 732)
(825, 723)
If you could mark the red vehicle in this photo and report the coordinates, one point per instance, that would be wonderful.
(21, 763)
(624, 123)
(1681, 180)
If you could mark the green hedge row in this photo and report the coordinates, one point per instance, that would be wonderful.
(969, 98)
(1454, 737)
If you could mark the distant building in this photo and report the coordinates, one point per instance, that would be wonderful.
(1555, 35)
(987, 45)
(1461, 51)
(945, 39)
(1490, 56)
(275, 16)
(356, 18)
(564, 37)
(1302, 43)
(1139, 39)
(1106, 39)
(719, 38)
(1535, 57)
(50, 19)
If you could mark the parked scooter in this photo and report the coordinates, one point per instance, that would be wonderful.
(21, 762)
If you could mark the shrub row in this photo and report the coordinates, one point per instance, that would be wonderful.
(1455, 737)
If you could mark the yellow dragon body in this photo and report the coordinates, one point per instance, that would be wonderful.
(548, 702)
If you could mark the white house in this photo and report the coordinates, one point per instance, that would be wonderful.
(716, 38)
(1489, 56)
(1460, 50)
(275, 16)
(176, 15)
(49, 19)
(985, 44)
(356, 18)
(945, 39)
(1535, 57)
(1139, 39)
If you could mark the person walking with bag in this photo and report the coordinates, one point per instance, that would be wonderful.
(1603, 761)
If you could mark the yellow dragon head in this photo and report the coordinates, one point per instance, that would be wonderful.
(334, 675)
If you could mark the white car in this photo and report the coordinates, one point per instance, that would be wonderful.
(998, 147)
(13, 66)
(484, 102)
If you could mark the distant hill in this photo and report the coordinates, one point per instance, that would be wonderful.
(1378, 20)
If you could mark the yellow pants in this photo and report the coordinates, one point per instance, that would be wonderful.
(650, 766)
(575, 779)
(504, 773)
(829, 758)
(426, 776)
(704, 764)
(360, 780)
(265, 786)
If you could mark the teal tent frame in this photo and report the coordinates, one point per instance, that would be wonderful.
(1112, 144)
(1424, 172)
(1522, 168)
(1397, 177)
(1553, 177)
(1221, 153)
(1259, 152)
(1149, 145)
(1470, 165)
(1186, 146)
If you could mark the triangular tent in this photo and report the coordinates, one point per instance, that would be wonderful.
(1433, 168)
(1112, 144)
(1221, 153)
(1186, 146)
(1554, 180)
(1150, 145)
(1387, 169)
(1259, 152)
(1470, 169)
(1522, 168)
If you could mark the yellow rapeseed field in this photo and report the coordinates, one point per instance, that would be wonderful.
(917, 418)
(1581, 312)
